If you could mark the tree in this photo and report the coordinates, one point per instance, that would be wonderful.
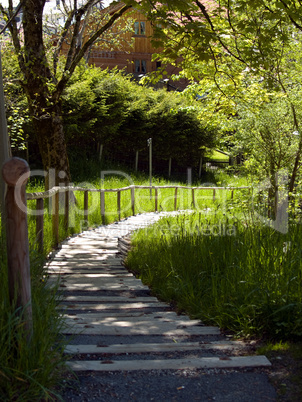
(41, 78)
(108, 108)
(230, 42)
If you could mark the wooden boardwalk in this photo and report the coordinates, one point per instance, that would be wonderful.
(116, 325)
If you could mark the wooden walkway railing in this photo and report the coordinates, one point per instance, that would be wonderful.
(56, 191)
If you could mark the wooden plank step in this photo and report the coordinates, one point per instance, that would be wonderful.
(89, 275)
(85, 252)
(171, 364)
(91, 240)
(89, 246)
(99, 284)
(153, 347)
(100, 280)
(77, 258)
(115, 306)
(73, 271)
(109, 299)
(163, 316)
(126, 327)
(100, 262)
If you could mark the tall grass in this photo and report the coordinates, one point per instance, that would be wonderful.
(226, 269)
(143, 203)
(29, 369)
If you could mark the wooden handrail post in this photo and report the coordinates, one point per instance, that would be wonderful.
(66, 212)
(86, 206)
(193, 198)
(175, 199)
(214, 194)
(119, 204)
(55, 218)
(156, 199)
(133, 200)
(16, 173)
(103, 206)
(40, 224)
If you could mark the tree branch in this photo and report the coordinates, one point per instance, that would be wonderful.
(208, 19)
(290, 17)
(73, 62)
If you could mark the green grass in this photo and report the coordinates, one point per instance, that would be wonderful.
(215, 155)
(143, 203)
(226, 269)
(29, 369)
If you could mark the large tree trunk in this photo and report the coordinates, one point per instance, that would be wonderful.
(52, 146)
(44, 105)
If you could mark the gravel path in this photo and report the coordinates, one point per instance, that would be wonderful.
(109, 320)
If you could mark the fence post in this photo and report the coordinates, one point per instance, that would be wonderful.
(66, 211)
(86, 207)
(40, 224)
(156, 199)
(16, 173)
(175, 199)
(103, 206)
(119, 204)
(55, 218)
(193, 198)
(133, 200)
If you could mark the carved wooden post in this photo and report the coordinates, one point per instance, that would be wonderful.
(16, 173)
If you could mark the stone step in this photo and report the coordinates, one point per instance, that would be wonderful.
(171, 364)
(153, 347)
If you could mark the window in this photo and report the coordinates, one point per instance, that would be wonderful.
(158, 65)
(140, 28)
(140, 66)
